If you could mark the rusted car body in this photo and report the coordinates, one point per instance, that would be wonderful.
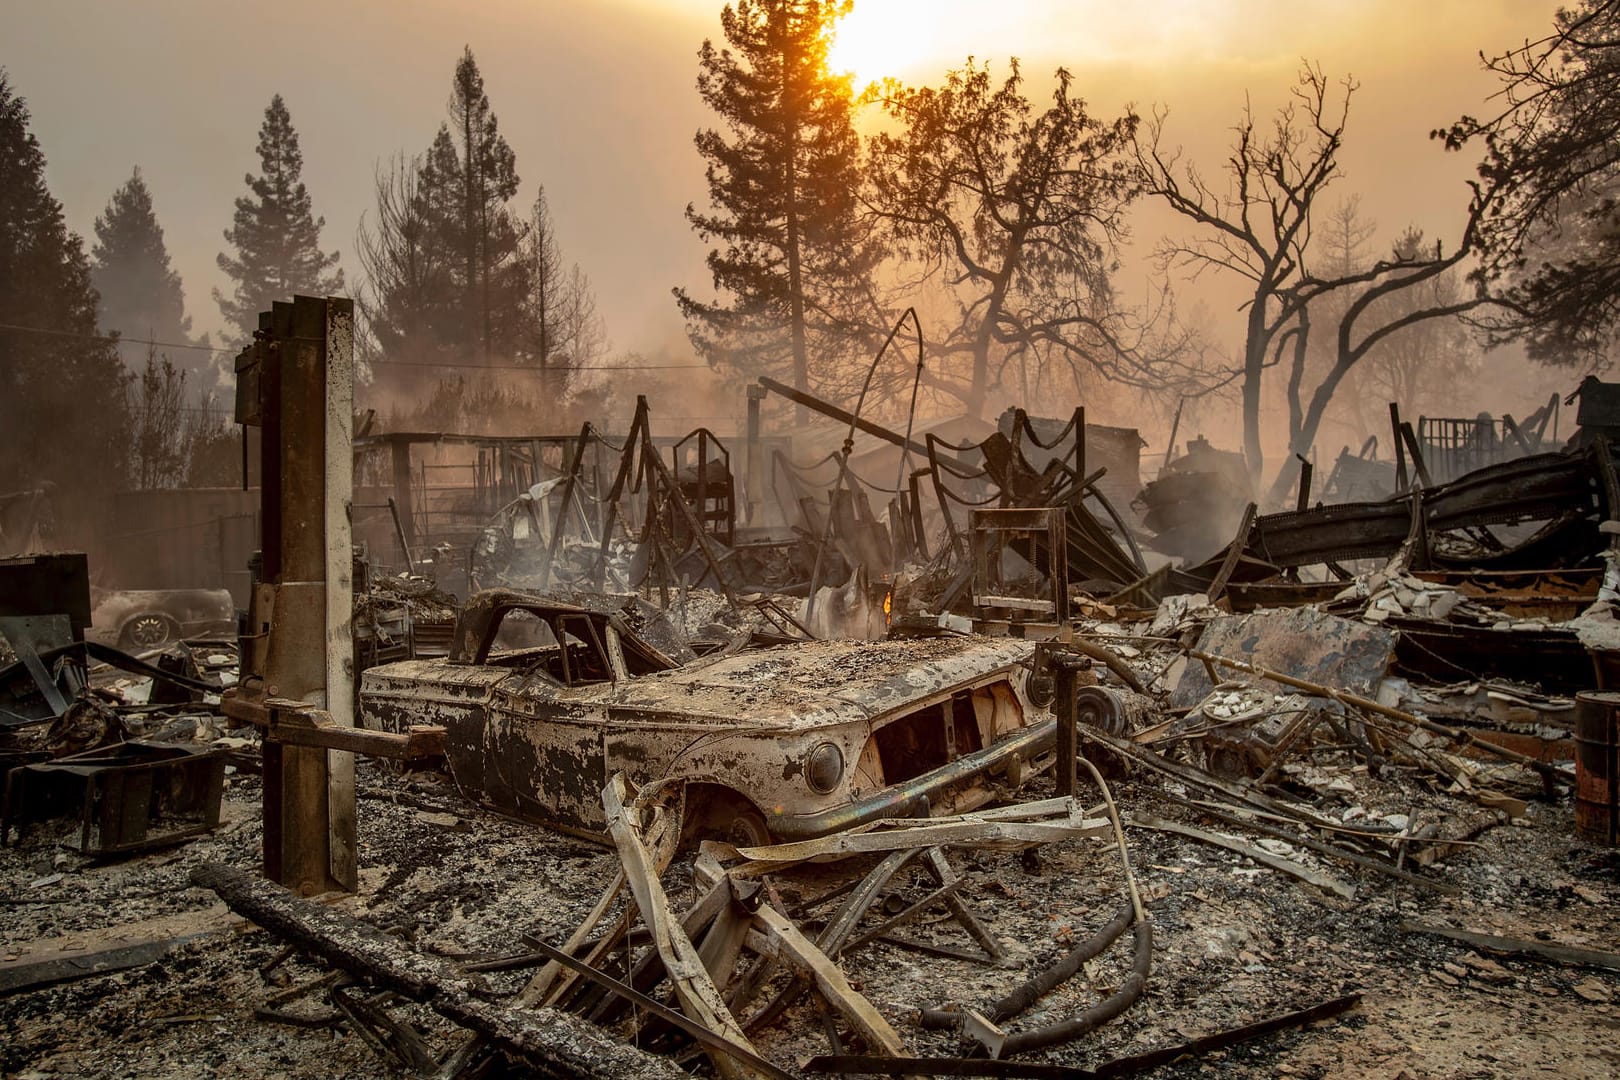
(791, 742)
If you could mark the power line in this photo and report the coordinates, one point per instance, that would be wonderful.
(448, 364)
(115, 340)
(536, 368)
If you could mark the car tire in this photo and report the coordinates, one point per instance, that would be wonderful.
(715, 813)
(742, 826)
(146, 631)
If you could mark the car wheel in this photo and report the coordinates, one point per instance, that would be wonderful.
(742, 826)
(149, 630)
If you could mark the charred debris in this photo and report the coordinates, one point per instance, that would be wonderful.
(955, 751)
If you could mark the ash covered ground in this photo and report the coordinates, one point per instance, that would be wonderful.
(1233, 943)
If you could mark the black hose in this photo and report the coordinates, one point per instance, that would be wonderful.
(1025, 995)
(1099, 1014)
(1038, 987)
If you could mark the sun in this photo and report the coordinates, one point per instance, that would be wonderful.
(880, 39)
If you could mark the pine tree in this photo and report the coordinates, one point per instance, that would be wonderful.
(61, 387)
(466, 180)
(141, 295)
(276, 236)
(792, 267)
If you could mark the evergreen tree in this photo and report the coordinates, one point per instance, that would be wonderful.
(141, 295)
(466, 180)
(61, 387)
(276, 236)
(791, 264)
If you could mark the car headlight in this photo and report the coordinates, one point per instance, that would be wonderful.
(824, 768)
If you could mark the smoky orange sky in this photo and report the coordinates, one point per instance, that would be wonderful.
(597, 98)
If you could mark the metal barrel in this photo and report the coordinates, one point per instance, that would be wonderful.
(1597, 771)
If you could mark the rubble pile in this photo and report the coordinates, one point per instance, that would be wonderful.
(967, 790)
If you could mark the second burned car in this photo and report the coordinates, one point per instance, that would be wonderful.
(544, 700)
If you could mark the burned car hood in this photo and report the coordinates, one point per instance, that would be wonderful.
(812, 683)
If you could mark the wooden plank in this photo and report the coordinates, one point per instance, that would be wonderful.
(974, 833)
(697, 994)
(657, 1009)
(72, 966)
(1310, 843)
(1233, 553)
(786, 943)
(551, 1043)
(536, 989)
(1559, 954)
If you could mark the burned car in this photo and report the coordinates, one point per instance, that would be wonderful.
(137, 620)
(791, 741)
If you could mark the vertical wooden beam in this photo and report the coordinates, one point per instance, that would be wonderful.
(308, 560)
(338, 643)
(1400, 449)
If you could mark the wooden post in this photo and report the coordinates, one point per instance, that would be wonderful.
(305, 601)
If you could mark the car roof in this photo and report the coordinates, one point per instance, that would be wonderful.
(483, 612)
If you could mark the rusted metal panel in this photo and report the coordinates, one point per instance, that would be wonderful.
(1303, 642)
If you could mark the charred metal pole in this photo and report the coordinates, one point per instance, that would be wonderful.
(297, 381)
(1400, 449)
(1064, 669)
(756, 467)
(843, 416)
(1175, 427)
(400, 459)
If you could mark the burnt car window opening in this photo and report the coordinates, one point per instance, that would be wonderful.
(527, 639)
(583, 656)
(520, 631)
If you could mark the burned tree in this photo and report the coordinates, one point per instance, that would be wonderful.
(1411, 288)
(157, 407)
(61, 386)
(1420, 365)
(405, 278)
(792, 264)
(1260, 227)
(1017, 214)
(562, 326)
(275, 232)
